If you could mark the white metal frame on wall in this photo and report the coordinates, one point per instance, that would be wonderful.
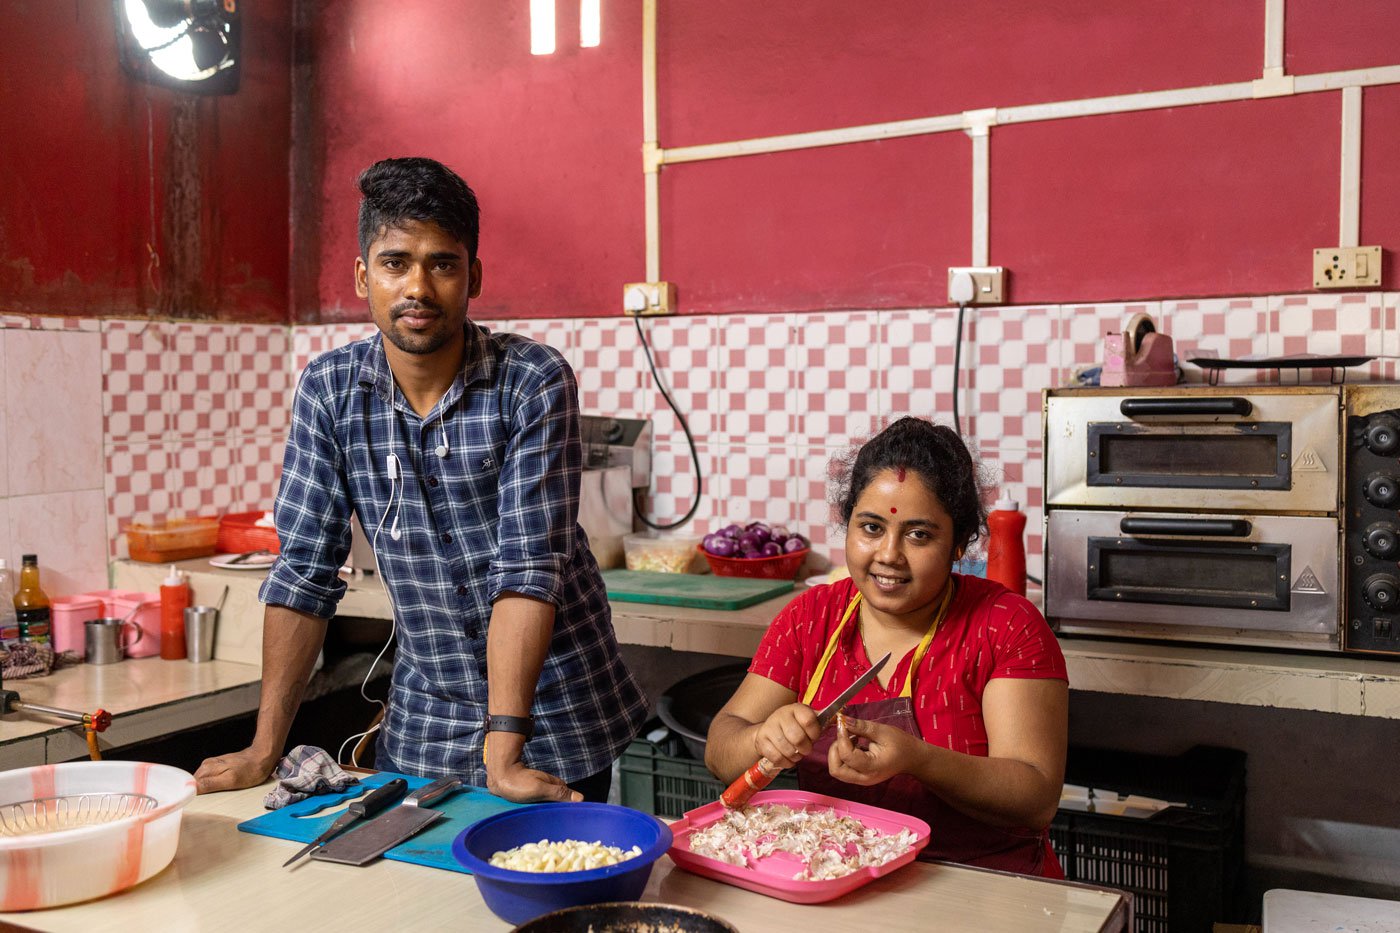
(978, 123)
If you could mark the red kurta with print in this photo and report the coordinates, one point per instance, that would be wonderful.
(988, 632)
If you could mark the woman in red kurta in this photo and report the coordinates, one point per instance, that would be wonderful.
(966, 727)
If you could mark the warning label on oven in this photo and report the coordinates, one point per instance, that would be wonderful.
(1309, 462)
(1307, 582)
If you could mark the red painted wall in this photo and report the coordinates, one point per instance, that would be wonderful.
(86, 207)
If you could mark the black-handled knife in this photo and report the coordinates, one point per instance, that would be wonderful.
(373, 802)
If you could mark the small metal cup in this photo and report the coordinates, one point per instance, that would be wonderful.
(200, 625)
(105, 640)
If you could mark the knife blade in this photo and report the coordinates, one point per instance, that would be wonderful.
(373, 802)
(762, 772)
(372, 840)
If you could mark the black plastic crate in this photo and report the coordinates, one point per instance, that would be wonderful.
(1183, 865)
(664, 780)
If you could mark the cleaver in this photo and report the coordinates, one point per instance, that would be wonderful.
(368, 842)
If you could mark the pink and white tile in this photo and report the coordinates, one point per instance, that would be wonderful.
(611, 370)
(1009, 357)
(672, 491)
(821, 471)
(839, 374)
(53, 380)
(9, 550)
(1390, 363)
(310, 341)
(257, 468)
(1223, 328)
(552, 332)
(917, 348)
(685, 354)
(1019, 475)
(1080, 330)
(137, 489)
(135, 401)
(68, 532)
(759, 483)
(757, 392)
(200, 476)
(1340, 324)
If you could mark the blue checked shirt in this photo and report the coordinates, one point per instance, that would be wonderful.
(498, 514)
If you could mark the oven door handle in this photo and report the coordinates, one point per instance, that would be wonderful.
(1195, 527)
(1220, 405)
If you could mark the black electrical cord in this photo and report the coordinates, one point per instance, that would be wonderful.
(695, 457)
(957, 366)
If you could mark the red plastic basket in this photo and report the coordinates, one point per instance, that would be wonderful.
(782, 567)
(239, 532)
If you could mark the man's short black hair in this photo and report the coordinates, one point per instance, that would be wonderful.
(934, 453)
(396, 190)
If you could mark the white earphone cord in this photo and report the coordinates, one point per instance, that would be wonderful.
(391, 463)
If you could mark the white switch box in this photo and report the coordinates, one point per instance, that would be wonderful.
(648, 298)
(1347, 267)
(988, 284)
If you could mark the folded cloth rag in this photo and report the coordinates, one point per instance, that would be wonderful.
(306, 770)
(28, 659)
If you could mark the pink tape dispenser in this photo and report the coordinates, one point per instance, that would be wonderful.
(1139, 356)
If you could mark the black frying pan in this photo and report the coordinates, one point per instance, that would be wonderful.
(626, 917)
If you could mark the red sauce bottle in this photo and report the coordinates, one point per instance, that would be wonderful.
(1006, 547)
(174, 597)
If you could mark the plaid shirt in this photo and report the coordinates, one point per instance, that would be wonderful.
(498, 514)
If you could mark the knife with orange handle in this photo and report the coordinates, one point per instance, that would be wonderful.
(762, 772)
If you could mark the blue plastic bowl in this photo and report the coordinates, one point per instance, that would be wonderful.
(517, 896)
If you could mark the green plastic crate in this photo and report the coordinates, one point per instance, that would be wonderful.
(665, 781)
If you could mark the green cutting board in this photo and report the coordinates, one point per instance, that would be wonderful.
(701, 591)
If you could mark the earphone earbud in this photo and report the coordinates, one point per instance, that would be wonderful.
(442, 450)
(394, 532)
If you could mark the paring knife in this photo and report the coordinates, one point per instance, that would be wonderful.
(762, 772)
(372, 840)
(369, 805)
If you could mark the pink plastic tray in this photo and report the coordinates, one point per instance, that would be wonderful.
(772, 875)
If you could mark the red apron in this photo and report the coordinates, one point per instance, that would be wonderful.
(955, 836)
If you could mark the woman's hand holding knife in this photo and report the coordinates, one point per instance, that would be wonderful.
(786, 736)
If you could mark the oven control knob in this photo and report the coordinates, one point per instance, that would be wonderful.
(1381, 490)
(1381, 541)
(1382, 436)
(1382, 591)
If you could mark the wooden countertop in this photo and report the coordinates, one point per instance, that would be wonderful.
(223, 879)
(1334, 683)
(147, 698)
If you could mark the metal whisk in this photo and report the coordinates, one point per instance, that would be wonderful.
(51, 814)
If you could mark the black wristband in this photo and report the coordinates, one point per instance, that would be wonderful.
(524, 725)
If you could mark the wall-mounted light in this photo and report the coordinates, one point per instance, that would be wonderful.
(541, 27)
(590, 25)
(191, 45)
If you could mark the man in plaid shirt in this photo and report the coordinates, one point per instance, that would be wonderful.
(459, 451)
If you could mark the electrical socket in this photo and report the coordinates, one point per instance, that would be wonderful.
(1347, 267)
(989, 284)
(648, 299)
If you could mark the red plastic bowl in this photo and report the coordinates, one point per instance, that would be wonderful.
(782, 567)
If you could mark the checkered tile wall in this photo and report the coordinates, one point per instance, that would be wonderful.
(194, 415)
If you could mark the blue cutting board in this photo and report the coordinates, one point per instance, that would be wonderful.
(306, 819)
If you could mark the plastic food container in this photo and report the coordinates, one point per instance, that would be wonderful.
(782, 567)
(517, 896)
(91, 859)
(773, 875)
(172, 539)
(660, 553)
(69, 615)
(240, 532)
